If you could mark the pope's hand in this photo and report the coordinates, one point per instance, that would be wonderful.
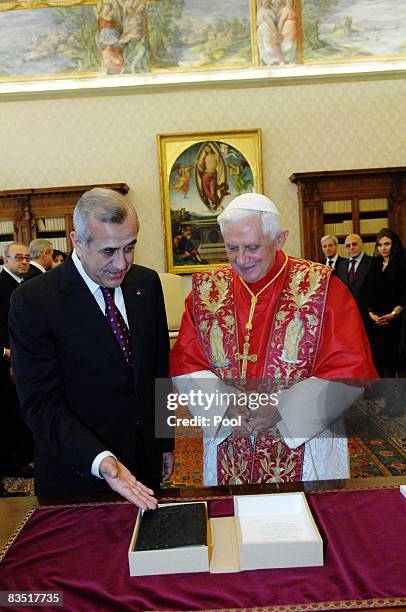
(263, 419)
(120, 479)
(233, 412)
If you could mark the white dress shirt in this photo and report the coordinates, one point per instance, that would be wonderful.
(332, 259)
(95, 290)
(16, 278)
(37, 265)
(357, 261)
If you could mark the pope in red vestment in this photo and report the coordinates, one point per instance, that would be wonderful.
(279, 325)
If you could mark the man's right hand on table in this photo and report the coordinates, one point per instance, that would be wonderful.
(121, 480)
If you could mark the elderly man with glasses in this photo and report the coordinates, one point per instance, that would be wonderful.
(16, 439)
(16, 264)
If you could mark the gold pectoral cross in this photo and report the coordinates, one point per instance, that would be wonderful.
(244, 357)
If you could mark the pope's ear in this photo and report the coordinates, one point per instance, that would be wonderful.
(281, 239)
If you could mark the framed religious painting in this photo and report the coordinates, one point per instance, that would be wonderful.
(201, 173)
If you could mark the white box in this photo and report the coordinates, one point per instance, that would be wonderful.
(269, 531)
(266, 531)
(185, 559)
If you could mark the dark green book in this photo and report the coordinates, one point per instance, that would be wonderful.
(172, 527)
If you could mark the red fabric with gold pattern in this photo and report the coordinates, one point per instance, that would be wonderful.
(297, 323)
(341, 355)
(215, 320)
(269, 459)
(291, 353)
(334, 356)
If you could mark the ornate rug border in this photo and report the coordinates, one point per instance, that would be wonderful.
(168, 498)
(346, 604)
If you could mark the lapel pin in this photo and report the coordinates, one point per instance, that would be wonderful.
(138, 292)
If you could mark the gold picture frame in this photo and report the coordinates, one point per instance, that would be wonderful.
(201, 172)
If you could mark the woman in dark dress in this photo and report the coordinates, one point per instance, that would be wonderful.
(385, 290)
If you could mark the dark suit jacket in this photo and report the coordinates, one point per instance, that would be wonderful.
(76, 390)
(32, 272)
(358, 286)
(7, 390)
(339, 258)
(7, 286)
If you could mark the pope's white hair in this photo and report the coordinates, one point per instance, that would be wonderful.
(271, 224)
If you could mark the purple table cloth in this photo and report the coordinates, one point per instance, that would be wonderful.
(82, 551)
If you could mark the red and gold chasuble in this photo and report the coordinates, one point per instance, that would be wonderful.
(285, 337)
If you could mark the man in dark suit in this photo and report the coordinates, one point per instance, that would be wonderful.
(85, 358)
(15, 438)
(354, 270)
(41, 252)
(329, 246)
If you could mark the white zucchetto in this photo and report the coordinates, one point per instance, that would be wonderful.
(253, 201)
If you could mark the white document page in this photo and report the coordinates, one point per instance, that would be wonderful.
(275, 527)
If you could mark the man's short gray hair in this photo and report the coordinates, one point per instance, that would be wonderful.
(104, 205)
(38, 246)
(329, 237)
(271, 224)
(7, 248)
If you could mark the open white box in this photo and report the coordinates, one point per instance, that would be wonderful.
(267, 531)
(181, 560)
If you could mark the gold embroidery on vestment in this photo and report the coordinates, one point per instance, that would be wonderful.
(213, 302)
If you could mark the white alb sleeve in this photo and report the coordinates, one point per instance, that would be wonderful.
(311, 406)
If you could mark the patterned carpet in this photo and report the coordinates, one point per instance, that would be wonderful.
(377, 442)
(377, 445)
(18, 485)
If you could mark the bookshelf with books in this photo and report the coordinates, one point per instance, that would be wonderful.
(27, 214)
(6, 235)
(7, 228)
(341, 202)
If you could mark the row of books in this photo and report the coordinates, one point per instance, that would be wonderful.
(336, 206)
(372, 226)
(49, 224)
(3, 246)
(344, 206)
(373, 204)
(59, 243)
(366, 226)
(6, 227)
(339, 229)
(369, 247)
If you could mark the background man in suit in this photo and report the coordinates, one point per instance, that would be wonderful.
(15, 445)
(329, 245)
(353, 271)
(41, 252)
(85, 370)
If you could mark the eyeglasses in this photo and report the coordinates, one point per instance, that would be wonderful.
(19, 257)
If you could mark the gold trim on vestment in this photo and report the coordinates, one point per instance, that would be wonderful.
(244, 357)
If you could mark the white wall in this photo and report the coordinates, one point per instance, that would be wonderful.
(47, 143)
